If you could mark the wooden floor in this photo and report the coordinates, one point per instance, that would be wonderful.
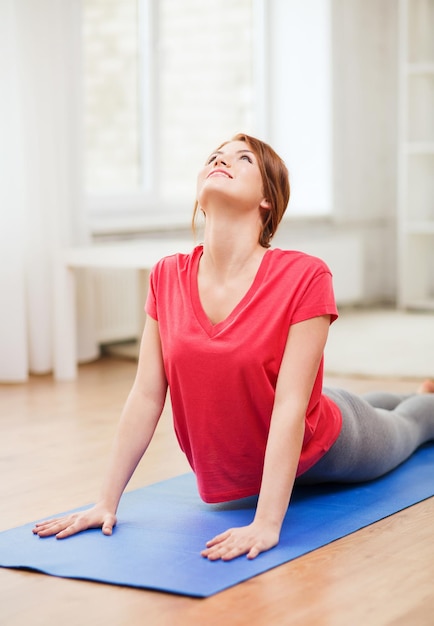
(54, 442)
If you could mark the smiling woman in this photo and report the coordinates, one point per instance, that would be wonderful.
(273, 179)
(237, 332)
(238, 177)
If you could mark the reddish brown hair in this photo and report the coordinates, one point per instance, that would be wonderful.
(275, 182)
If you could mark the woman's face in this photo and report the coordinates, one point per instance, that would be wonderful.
(231, 173)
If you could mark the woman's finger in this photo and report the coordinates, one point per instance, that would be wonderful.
(107, 527)
(72, 529)
(51, 527)
(218, 539)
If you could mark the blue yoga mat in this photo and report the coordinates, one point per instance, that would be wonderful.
(162, 529)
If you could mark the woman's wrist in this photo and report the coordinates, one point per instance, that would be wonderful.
(108, 503)
(269, 521)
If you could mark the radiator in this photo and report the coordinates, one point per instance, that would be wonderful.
(118, 307)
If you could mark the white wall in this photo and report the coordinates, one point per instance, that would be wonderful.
(300, 109)
(364, 154)
(40, 169)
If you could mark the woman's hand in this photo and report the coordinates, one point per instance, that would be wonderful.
(96, 517)
(250, 540)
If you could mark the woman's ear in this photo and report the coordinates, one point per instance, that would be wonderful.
(265, 204)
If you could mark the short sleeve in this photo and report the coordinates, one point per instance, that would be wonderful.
(151, 300)
(318, 299)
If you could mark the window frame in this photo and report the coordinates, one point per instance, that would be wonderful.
(124, 210)
(128, 212)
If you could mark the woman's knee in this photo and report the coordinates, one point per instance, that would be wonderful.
(384, 400)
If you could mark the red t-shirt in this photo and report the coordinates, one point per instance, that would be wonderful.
(222, 377)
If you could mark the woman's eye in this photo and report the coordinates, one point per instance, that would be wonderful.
(246, 156)
(211, 159)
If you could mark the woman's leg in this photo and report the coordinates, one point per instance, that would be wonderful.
(374, 440)
(384, 399)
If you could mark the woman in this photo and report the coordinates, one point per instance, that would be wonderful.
(237, 331)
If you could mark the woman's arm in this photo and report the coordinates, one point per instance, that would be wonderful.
(136, 427)
(299, 367)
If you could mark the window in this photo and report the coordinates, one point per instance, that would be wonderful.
(112, 117)
(165, 82)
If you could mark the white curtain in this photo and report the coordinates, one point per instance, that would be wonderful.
(41, 207)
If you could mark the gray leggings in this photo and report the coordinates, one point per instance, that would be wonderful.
(379, 431)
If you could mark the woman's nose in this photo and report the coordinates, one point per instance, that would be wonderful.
(222, 160)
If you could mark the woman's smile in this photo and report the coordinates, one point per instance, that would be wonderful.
(219, 172)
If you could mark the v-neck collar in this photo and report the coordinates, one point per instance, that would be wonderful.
(214, 329)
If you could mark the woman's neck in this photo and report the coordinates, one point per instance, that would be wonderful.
(230, 248)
